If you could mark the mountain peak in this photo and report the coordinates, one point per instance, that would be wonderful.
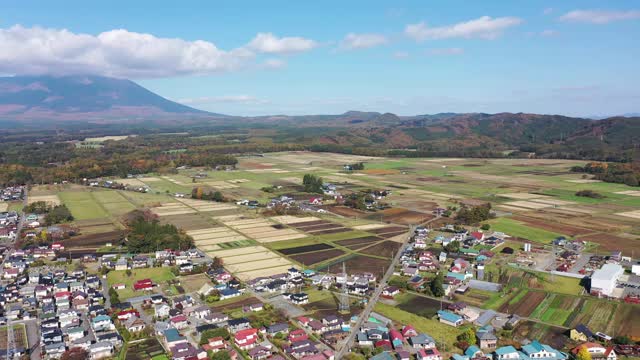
(83, 97)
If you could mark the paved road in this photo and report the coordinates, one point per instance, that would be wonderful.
(364, 315)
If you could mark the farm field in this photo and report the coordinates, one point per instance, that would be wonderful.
(83, 205)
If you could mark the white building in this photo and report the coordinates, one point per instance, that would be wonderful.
(603, 281)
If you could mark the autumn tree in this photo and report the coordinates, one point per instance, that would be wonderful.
(583, 354)
(75, 353)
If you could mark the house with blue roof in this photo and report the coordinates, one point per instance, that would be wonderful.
(457, 276)
(383, 356)
(101, 323)
(506, 353)
(172, 337)
(536, 350)
(473, 351)
(228, 293)
(449, 318)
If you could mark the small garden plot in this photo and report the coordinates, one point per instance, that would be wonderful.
(404, 216)
(193, 283)
(418, 305)
(203, 205)
(596, 314)
(52, 200)
(219, 184)
(369, 226)
(131, 182)
(19, 337)
(523, 196)
(330, 231)
(236, 244)
(627, 318)
(552, 226)
(553, 202)
(359, 241)
(628, 192)
(304, 249)
(288, 219)
(388, 230)
(168, 209)
(385, 249)
(238, 251)
(317, 256)
(528, 205)
(320, 225)
(187, 222)
(145, 350)
(346, 211)
(630, 214)
(359, 264)
(248, 275)
(237, 303)
(149, 179)
(207, 248)
(177, 182)
(559, 309)
(524, 305)
(93, 241)
(3, 206)
(395, 236)
(613, 242)
(258, 264)
(239, 259)
(546, 334)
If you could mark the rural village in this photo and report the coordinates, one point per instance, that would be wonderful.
(304, 256)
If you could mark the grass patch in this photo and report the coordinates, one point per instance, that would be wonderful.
(157, 275)
(83, 205)
(518, 229)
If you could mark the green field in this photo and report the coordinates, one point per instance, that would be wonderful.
(83, 205)
(517, 229)
(157, 275)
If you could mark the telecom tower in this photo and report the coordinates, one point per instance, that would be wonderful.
(344, 296)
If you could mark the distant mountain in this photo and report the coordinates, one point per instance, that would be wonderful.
(84, 98)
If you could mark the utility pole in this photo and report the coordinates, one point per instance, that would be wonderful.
(344, 297)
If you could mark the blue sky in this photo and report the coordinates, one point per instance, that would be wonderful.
(407, 57)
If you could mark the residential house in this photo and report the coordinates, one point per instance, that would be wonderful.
(134, 325)
(101, 350)
(449, 318)
(506, 353)
(581, 333)
(246, 339)
(422, 341)
(428, 354)
(486, 337)
(597, 351)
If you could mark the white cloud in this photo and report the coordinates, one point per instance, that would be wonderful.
(400, 54)
(274, 63)
(446, 51)
(548, 33)
(230, 99)
(362, 41)
(599, 16)
(127, 54)
(269, 43)
(483, 28)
